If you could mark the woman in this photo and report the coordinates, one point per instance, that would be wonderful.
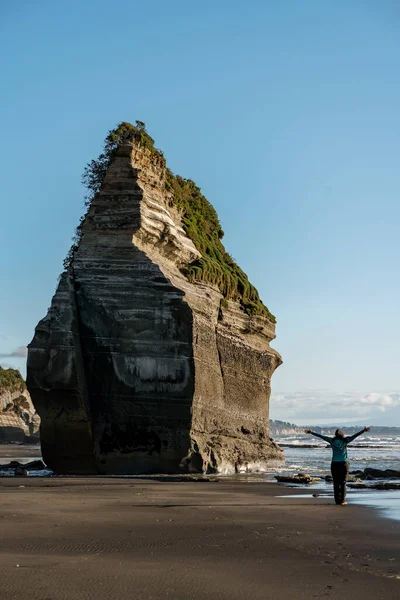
(340, 462)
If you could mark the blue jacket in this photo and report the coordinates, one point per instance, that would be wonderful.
(338, 445)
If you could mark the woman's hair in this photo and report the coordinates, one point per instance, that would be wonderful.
(339, 434)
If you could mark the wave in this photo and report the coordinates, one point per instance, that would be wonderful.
(374, 458)
(379, 446)
(290, 468)
(302, 443)
(294, 445)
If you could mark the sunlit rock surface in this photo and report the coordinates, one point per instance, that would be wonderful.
(136, 370)
(19, 421)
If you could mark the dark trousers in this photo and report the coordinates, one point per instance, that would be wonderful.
(339, 472)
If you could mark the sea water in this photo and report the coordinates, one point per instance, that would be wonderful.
(308, 454)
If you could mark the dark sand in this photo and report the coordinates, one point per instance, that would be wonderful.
(156, 538)
(19, 452)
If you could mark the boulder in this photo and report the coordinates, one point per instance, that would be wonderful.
(300, 478)
(387, 485)
(21, 472)
(34, 465)
(370, 473)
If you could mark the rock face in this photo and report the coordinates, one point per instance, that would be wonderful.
(19, 421)
(135, 369)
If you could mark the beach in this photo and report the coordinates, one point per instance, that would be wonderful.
(148, 538)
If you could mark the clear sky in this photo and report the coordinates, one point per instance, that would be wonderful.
(286, 114)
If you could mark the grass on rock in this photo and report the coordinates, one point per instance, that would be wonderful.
(199, 218)
(11, 380)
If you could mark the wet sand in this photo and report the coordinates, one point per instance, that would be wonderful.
(81, 538)
(20, 452)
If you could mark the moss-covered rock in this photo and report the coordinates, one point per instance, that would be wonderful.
(199, 218)
(11, 380)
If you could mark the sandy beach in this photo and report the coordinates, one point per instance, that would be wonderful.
(150, 538)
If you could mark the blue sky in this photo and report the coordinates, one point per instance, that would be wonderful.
(284, 113)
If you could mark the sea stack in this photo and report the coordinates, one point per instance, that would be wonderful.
(154, 356)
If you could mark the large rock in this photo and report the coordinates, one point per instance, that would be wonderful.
(135, 369)
(300, 478)
(19, 421)
(371, 473)
(387, 485)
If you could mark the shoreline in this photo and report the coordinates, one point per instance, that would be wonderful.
(153, 538)
(387, 502)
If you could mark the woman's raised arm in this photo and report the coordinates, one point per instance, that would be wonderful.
(323, 437)
(350, 438)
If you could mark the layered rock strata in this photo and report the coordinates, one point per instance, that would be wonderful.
(19, 421)
(135, 369)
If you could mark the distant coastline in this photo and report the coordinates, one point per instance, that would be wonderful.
(286, 428)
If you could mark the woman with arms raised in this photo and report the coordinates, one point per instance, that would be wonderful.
(340, 462)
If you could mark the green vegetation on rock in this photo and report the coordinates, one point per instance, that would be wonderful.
(199, 218)
(200, 222)
(11, 380)
(95, 171)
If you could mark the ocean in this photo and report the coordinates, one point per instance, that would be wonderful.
(303, 454)
(308, 454)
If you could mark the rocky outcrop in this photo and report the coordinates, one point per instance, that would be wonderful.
(387, 485)
(299, 479)
(371, 473)
(19, 421)
(135, 369)
(15, 466)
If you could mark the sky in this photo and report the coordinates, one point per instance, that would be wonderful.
(286, 114)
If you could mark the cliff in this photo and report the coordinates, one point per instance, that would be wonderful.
(153, 356)
(19, 421)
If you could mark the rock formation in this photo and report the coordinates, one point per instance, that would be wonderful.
(136, 368)
(19, 421)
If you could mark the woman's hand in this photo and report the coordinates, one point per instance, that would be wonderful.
(307, 431)
(366, 428)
